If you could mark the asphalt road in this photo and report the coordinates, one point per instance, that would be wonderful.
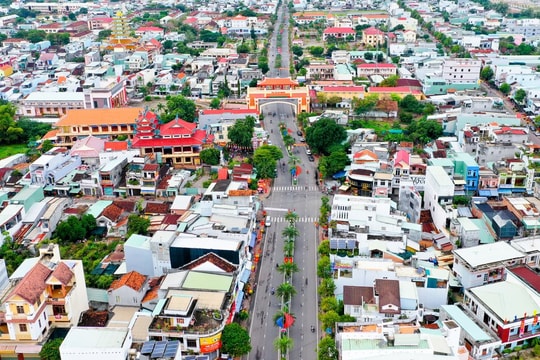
(304, 199)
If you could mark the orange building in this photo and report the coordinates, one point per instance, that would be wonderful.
(103, 123)
(282, 90)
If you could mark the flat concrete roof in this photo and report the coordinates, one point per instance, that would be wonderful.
(95, 338)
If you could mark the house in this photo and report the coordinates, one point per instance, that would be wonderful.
(85, 343)
(88, 149)
(52, 291)
(49, 168)
(138, 254)
(111, 175)
(103, 123)
(339, 33)
(150, 32)
(181, 204)
(46, 60)
(439, 193)
(484, 264)
(51, 104)
(371, 69)
(372, 37)
(129, 290)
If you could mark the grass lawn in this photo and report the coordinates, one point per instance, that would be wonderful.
(8, 150)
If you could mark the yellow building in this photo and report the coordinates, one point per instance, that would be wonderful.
(6, 70)
(103, 123)
(344, 92)
(283, 90)
(372, 36)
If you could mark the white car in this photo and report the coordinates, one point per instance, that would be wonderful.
(267, 222)
(308, 152)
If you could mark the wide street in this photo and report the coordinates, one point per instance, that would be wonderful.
(304, 199)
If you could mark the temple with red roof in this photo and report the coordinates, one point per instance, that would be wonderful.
(177, 142)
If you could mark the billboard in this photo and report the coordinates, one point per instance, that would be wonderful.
(210, 344)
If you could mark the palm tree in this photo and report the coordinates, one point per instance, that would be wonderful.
(288, 140)
(160, 107)
(288, 268)
(291, 217)
(293, 160)
(290, 232)
(288, 248)
(285, 291)
(283, 344)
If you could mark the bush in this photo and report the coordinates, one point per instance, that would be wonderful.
(206, 183)
(147, 98)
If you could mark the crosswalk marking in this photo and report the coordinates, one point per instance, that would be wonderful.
(298, 188)
(301, 219)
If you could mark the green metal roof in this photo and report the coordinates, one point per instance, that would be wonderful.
(206, 281)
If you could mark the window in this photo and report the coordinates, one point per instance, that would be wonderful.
(23, 328)
(20, 309)
(191, 343)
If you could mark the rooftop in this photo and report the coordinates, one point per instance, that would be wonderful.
(466, 323)
(124, 115)
(94, 338)
(207, 281)
(488, 254)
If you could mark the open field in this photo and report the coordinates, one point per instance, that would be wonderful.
(8, 150)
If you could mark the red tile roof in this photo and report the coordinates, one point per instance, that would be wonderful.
(214, 259)
(151, 167)
(373, 31)
(132, 279)
(177, 127)
(63, 273)
(198, 138)
(344, 88)
(112, 212)
(170, 219)
(156, 208)
(32, 285)
(339, 30)
(127, 205)
(115, 145)
(277, 81)
(527, 275)
(376, 66)
(388, 291)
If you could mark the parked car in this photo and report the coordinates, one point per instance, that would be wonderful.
(299, 133)
(308, 152)
(311, 158)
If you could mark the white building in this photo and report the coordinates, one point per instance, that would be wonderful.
(138, 254)
(88, 343)
(160, 247)
(484, 264)
(438, 192)
(461, 71)
(51, 167)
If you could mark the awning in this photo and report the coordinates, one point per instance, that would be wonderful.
(75, 191)
(239, 298)
(253, 239)
(505, 191)
(488, 192)
(339, 175)
(244, 277)
(28, 349)
(159, 306)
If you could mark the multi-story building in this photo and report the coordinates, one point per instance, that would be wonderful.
(462, 72)
(438, 193)
(339, 33)
(53, 104)
(467, 169)
(484, 264)
(102, 123)
(111, 174)
(512, 175)
(177, 142)
(370, 69)
(53, 291)
(49, 168)
(372, 36)
(320, 71)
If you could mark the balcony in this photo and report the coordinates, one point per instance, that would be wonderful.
(204, 323)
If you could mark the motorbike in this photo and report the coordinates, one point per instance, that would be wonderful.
(312, 328)
(272, 291)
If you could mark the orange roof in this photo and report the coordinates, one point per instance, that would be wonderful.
(116, 145)
(277, 81)
(50, 134)
(100, 116)
(132, 279)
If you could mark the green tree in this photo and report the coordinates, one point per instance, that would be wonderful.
(327, 287)
(505, 88)
(365, 105)
(46, 145)
(423, 131)
(283, 344)
(210, 156)
(368, 55)
(235, 340)
(324, 248)
(241, 133)
(88, 222)
(329, 304)
(72, 16)
(323, 134)
(390, 81)
(32, 130)
(265, 161)
(329, 319)
(487, 73)
(288, 268)
(327, 349)
(334, 163)
(51, 349)
(137, 225)
(411, 104)
(520, 95)
(291, 217)
(290, 233)
(297, 50)
(324, 268)
(70, 230)
(285, 291)
(215, 103)
(9, 131)
(316, 51)
(179, 106)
